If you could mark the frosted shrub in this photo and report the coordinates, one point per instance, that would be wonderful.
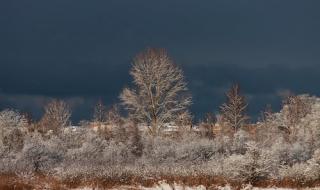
(12, 129)
(160, 150)
(239, 142)
(90, 150)
(86, 152)
(280, 151)
(37, 157)
(261, 163)
(199, 150)
(252, 166)
(118, 153)
(313, 169)
(235, 167)
(223, 144)
(128, 134)
(13, 140)
(300, 152)
(305, 171)
(135, 141)
(316, 157)
(12, 119)
(74, 138)
(296, 172)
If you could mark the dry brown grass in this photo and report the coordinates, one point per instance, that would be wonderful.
(12, 182)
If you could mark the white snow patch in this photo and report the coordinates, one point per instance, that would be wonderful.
(162, 185)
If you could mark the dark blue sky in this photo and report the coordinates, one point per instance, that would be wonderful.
(81, 50)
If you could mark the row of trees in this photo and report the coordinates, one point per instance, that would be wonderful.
(159, 95)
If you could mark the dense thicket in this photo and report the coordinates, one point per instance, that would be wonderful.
(276, 148)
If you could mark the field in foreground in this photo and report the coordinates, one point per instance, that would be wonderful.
(8, 182)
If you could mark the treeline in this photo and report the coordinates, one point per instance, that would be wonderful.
(283, 145)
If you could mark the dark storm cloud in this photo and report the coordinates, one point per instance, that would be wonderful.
(81, 50)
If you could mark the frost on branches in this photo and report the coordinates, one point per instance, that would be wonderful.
(279, 147)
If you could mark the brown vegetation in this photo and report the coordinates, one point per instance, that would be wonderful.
(38, 182)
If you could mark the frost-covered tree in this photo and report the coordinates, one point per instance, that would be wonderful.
(159, 92)
(57, 115)
(233, 111)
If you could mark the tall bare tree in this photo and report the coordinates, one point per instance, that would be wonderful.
(57, 115)
(233, 111)
(159, 93)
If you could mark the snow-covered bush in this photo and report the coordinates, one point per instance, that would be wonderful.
(72, 138)
(239, 142)
(12, 130)
(13, 140)
(200, 150)
(159, 150)
(12, 119)
(313, 169)
(38, 156)
(251, 166)
(300, 152)
(235, 167)
(296, 172)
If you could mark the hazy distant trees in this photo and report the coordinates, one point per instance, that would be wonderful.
(233, 111)
(159, 90)
(57, 115)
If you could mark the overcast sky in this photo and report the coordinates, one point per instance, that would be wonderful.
(81, 50)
